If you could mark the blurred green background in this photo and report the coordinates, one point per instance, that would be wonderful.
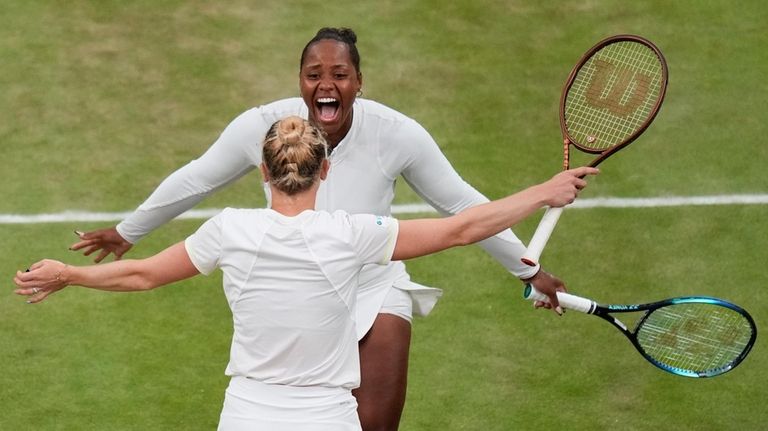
(100, 100)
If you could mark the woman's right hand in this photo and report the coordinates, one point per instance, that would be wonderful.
(41, 279)
(563, 188)
(104, 240)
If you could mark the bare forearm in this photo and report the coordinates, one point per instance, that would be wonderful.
(482, 221)
(420, 237)
(488, 219)
(171, 264)
(424, 236)
(48, 276)
(119, 276)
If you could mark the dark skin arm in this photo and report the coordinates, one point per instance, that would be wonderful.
(551, 283)
(105, 241)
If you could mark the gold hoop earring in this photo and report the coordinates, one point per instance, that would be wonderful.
(359, 92)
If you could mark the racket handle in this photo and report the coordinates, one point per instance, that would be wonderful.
(541, 236)
(571, 302)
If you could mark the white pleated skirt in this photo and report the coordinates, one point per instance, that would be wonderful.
(250, 405)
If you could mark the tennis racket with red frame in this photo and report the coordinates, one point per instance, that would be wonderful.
(611, 96)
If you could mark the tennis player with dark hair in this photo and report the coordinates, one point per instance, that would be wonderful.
(371, 145)
(291, 278)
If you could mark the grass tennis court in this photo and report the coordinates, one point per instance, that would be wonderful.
(99, 101)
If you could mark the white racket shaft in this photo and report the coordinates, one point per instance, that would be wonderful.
(571, 302)
(541, 236)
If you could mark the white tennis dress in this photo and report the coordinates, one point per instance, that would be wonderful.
(381, 145)
(291, 283)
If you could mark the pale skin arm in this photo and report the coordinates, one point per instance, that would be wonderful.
(48, 276)
(425, 236)
(415, 238)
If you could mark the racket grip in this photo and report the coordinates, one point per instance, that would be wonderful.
(571, 302)
(541, 236)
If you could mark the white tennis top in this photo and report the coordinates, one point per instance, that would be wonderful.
(381, 145)
(291, 283)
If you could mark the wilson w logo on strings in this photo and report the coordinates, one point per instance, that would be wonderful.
(619, 90)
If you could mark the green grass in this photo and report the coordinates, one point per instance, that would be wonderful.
(99, 101)
(485, 360)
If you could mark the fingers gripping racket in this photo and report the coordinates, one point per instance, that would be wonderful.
(611, 96)
(694, 336)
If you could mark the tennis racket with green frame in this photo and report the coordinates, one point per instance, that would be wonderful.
(692, 336)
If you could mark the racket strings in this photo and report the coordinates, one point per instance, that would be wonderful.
(695, 337)
(613, 95)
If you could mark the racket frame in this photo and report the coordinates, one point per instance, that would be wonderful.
(552, 215)
(588, 306)
(604, 154)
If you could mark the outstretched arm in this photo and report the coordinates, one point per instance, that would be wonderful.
(235, 153)
(424, 236)
(432, 176)
(48, 276)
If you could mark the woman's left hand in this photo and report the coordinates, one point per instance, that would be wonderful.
(549, 285)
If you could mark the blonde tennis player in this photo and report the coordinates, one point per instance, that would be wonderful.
(291, 280)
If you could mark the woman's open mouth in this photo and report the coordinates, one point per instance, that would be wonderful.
(327, 109)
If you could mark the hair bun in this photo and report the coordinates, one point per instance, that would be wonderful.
(290, 130)
(293, 153)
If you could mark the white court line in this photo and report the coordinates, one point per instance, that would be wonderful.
(671, 201)
(87, 216)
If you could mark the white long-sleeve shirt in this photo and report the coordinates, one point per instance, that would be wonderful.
(381, 145)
